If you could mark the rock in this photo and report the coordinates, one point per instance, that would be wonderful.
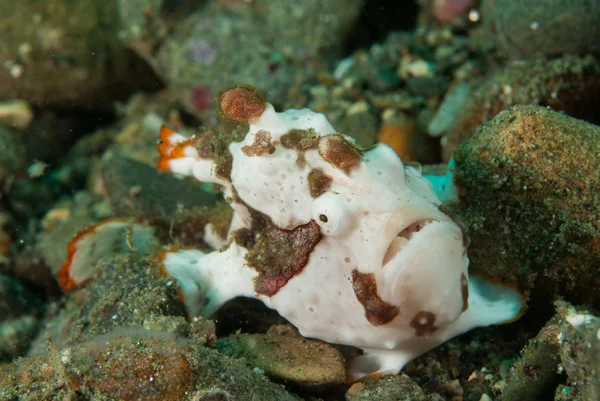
(178, 209)
(126, 293)
(16, 113)
(12, 155)
(60, 225)
(31, 269)
(199, 59)
(16, 335)
(124, 337)
(16, 300)
(535, 375)
(137, 189)
(141, 367)
(361, 122)
(285, 355)
(67, 55)
(568, 84)
(19, 314)
(46, 171)
(387, 388)
(580, 350)
(167, 324)
(538, 28)
(530, 201)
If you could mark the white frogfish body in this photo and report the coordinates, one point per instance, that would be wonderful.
(351, 246)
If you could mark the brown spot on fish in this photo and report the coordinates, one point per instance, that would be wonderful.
(423, 323)
(215, 146)
(300, 140)
(279, 254)
(244, 237)
(242, 104)
(262, 145)
(377, 311)
(318, 182)
(340, 152)
(464, 289)
(220, 148)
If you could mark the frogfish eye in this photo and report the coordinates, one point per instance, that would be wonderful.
(330, 213)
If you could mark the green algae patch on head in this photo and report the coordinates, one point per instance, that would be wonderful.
(215, 145)
(340, 152)
(318, 182)
(301, 140)
(242, 104)
(278, 255)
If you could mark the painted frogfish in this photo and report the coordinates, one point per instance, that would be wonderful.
(348, 244)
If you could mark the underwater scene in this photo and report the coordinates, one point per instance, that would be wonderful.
(285, 200)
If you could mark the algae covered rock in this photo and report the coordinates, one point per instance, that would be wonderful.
(124, 292)
(580, 350)
(534, 28)
(535, 375)
(220, 45)
(570, 84)
(530, 198)
(138, 189)
(145, 366)
(12, 154)
(67, 53)
(19, 314)
(124, 337)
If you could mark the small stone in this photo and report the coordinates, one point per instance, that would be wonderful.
(289, 357)
(580, 348)
(16, 113)
(452, 388)
(397, 388)
(170, 324)
(534, 375)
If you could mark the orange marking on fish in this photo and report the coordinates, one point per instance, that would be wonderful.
(163, 164)
(179, 148)
(169, 148)
(164, 142)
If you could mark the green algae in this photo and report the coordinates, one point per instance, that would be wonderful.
(530, 182)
